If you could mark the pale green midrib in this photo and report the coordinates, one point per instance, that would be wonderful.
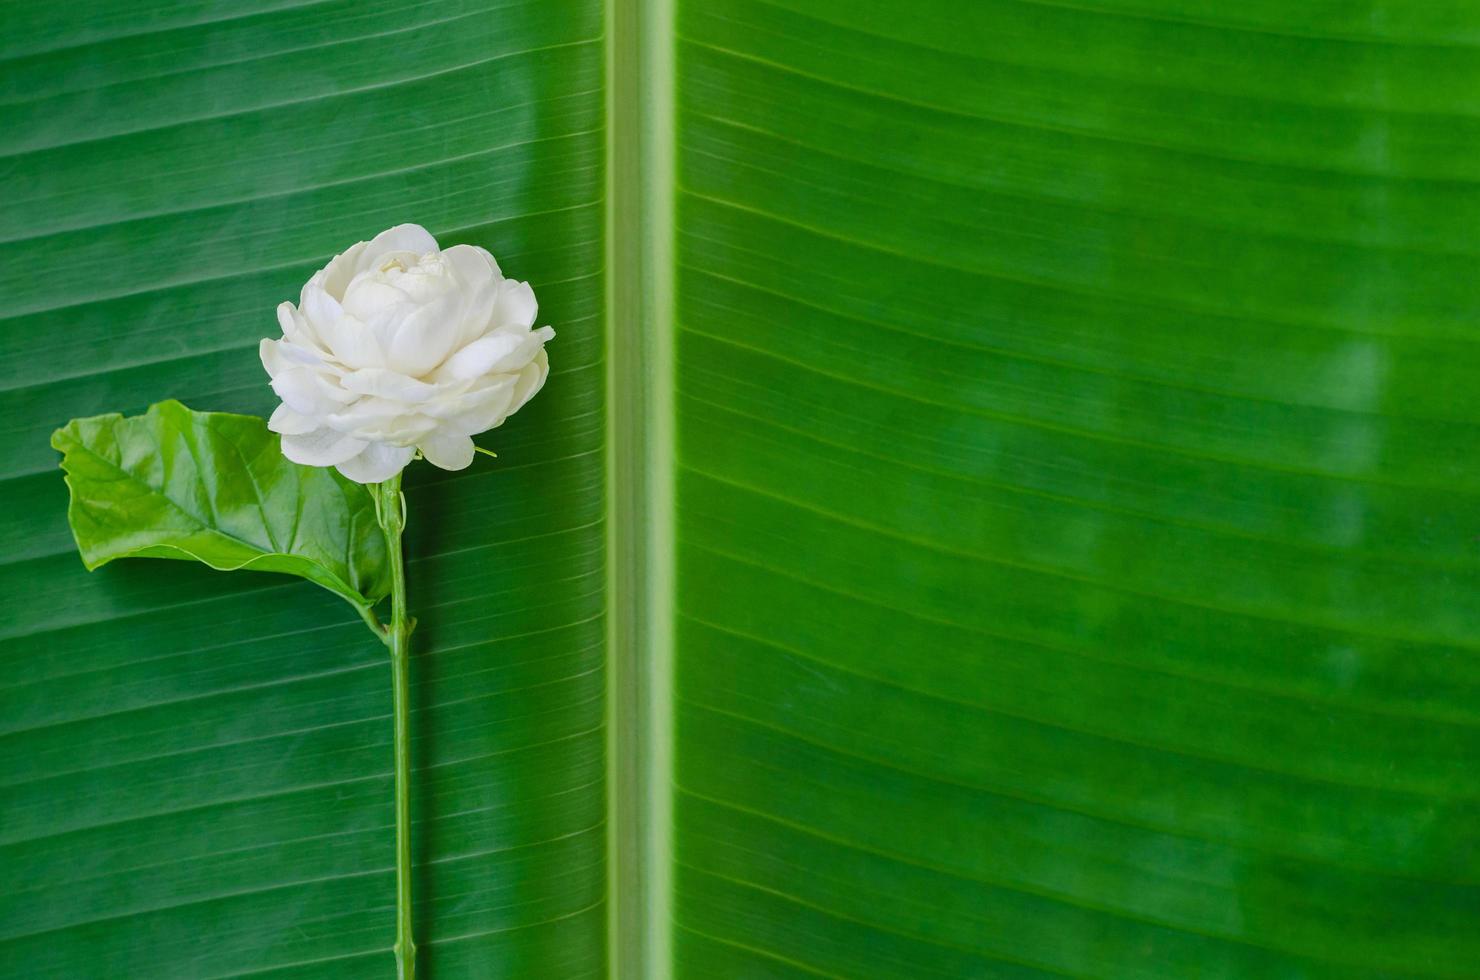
(640, 463)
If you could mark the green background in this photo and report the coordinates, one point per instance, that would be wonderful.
(1074, 532)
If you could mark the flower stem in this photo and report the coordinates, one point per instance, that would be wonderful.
(391, 511)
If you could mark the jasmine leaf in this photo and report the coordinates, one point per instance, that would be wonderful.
(216, 488)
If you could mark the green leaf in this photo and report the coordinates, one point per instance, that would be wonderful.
(1036, 441)
(216, 488)
(1077, 503)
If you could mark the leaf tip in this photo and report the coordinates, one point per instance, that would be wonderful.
(65, 437)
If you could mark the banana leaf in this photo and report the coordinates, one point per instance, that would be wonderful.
(1005, 503)
(197, 765)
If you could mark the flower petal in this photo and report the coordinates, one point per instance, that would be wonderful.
(369, 297)
(376, 462)
(308, 391)
(516, 305)
(290, 423)
(281, 355)
(471, 264)
(449, 450)
(405, 430)
(322, 447)
(426, 335)
(297, 330)
(335, 277)
(426, 280)
(481, 356)
(368, 411)
(385, 383)
(479, 410)
(272, 361)
(381, 420)
(531, 380)
(352, 343)
(316, 304)
(476, 317)
(402, 238)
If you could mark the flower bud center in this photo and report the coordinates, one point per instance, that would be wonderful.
(393, 268)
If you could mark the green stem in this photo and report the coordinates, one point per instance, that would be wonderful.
(391, 510)
(367, 613)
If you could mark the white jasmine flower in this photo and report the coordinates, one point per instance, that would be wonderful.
(397, 346)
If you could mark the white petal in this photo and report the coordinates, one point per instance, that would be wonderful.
(370, 296)
(471, 264)
(516, 304)
(369, 411)
(290, 423)
(385, 383)
(297, 330)
(401, 238)
(272, 361)
(407, 430)
(456, 396)
(425, 281)
(286, 312)
(335, 277)
(307, 391)
(477, 313)
(380, 420)
(322, 447)
(298, 391)
(352, 343)
(531, 380)
(376, 462)
(481, 356)
(449, 450)
(480, 410)
(478, 278)
(316, 305)
(425, 337)
(284, 354)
